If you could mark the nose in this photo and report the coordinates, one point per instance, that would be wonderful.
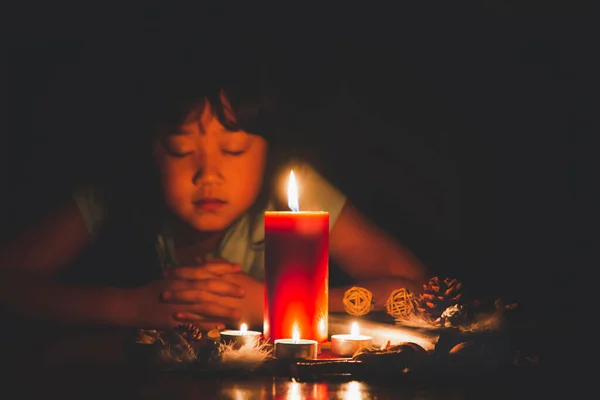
(209, 169)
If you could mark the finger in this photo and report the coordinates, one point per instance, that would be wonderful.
(214, 311)
(189, 273)
(196, 297)
(188, 296)
(216, 286)
(224, 288)
(222, 267)
(204, 272)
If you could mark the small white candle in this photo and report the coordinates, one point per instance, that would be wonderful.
(296, 348)
(240, 337)
(345, 345)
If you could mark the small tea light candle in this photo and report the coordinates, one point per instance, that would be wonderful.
(347, 345)
(296, 348)
(241, 337)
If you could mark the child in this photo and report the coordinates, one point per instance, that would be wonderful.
(219, 168)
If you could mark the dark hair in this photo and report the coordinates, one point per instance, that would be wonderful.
(176, 87)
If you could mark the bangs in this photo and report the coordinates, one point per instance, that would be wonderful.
(248, 105)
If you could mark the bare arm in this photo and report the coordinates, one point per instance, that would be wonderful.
(49, 246)
(29, 262)
(373, 258)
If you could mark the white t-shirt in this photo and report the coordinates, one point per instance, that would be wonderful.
(243, 244)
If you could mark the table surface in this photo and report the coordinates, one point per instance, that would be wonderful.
(113, 381)
(94, 365)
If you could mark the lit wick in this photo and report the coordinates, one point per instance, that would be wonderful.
(296, 348)
(296, 334)
(347, 345)
(292, 193)
(354, 330)
(241, 336)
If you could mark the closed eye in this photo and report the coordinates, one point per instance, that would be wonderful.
(174, 149)
(179, 154)
(234, 153)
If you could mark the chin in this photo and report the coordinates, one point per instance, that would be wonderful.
(211, 225)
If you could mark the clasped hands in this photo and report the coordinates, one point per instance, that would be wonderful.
(211, 295)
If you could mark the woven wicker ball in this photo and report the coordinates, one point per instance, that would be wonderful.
(400, 304)
(358, 301)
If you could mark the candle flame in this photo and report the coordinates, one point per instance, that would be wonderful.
(296, 334)
(243, 329)
(354, 329)
(293, 193)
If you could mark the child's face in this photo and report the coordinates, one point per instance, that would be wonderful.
(210, 176)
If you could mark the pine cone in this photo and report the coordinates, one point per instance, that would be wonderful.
(438, 295)
(189, 332)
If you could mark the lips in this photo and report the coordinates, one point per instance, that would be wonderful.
(209, 204)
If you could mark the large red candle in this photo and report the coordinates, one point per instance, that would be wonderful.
(296, 272)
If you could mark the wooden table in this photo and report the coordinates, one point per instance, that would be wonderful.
(85, 381)
(94, 365)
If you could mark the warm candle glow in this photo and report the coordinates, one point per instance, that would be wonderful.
(353, 391)
(243, 329)
(296, 334)
(295, 392)
(345, 345)
(322, 327)
(296, 258)
(354, 329)
(293, 193)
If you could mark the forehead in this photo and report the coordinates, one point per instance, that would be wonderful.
(202, 116)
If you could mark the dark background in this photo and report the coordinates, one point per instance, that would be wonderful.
(452, 128)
